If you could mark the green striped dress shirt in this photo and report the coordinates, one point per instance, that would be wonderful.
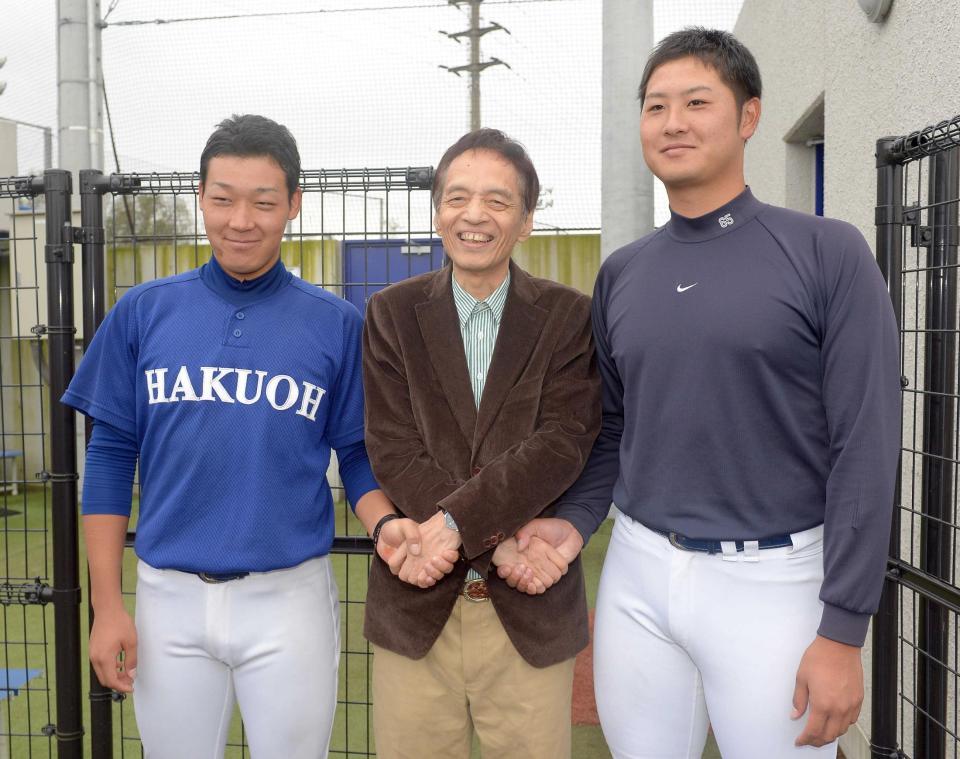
(479, 325)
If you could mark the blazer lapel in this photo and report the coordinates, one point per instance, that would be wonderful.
(440, 327)
(520, 328)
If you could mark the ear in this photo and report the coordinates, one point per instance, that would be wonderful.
(296, 199)
(749, 118)
(436, 222)
(527, 227)
(200, 191)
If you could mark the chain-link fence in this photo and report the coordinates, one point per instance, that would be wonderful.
(40, 701)
(26, 657)
(916, 670)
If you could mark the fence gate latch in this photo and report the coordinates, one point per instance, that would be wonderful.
(85, 235)
(920, 236)
(25, 594)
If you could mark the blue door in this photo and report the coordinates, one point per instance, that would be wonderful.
(371, 265)
(818, 179)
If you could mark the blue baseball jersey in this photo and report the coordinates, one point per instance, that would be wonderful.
(235, 393)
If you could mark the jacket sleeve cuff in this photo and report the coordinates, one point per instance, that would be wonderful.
(472, 544)
(843, 626)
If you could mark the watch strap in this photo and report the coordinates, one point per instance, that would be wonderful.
(376, 530)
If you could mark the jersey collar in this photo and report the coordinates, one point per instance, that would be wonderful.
(248, 291)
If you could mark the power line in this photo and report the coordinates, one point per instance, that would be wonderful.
(111, 9)
(315, 12)
(113, 142)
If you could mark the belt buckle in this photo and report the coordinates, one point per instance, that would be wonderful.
(211, 579)
(476, 590)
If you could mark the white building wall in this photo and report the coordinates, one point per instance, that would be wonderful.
(874, 80)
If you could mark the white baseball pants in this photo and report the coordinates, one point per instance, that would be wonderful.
(269, 641)
(685, 639)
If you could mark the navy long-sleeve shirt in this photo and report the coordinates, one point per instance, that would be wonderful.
(750, 364)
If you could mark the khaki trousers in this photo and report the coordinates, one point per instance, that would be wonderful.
(472, 679)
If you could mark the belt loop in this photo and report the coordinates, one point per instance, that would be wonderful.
(729, 549)
(798, 541)
(801, 540)
(751, 550)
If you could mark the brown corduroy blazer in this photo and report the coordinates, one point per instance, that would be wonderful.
(493, 468)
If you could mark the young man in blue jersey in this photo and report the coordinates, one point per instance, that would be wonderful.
(751, 421)
(230, 384)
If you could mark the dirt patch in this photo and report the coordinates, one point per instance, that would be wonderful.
(584, 710)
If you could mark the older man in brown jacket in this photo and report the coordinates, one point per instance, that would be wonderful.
(482, 403)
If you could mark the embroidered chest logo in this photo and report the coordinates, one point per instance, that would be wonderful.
(231, 385)
(726, 220)
(684, 288)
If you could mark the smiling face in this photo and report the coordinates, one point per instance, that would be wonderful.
(692, 130)
(480, 218)
(246, 206)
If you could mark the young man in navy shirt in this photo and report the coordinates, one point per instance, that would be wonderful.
(751, 423)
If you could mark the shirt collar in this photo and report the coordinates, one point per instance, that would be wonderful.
(242, 293)
(466, 303)
(728, 218)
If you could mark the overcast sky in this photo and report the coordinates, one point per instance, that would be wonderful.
(356, 87)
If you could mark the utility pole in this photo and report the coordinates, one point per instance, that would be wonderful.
(476, 66)
(79, 85)
(626, 185)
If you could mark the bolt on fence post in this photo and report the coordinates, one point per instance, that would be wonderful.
(58, 255)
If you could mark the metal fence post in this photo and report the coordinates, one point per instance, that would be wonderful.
(889, 220)
(938, 464)
(58, 255)
(92, 186)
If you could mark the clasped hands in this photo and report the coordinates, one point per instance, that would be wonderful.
(532, 561)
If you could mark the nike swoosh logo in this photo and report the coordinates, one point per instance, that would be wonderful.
(682, 289)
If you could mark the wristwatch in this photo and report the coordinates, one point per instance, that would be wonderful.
(449, 521)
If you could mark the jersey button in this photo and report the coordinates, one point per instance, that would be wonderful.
(237, 333)
(241, 315)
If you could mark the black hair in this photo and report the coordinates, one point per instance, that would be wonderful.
(720, 50)
(497, 142)
(254, 136)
